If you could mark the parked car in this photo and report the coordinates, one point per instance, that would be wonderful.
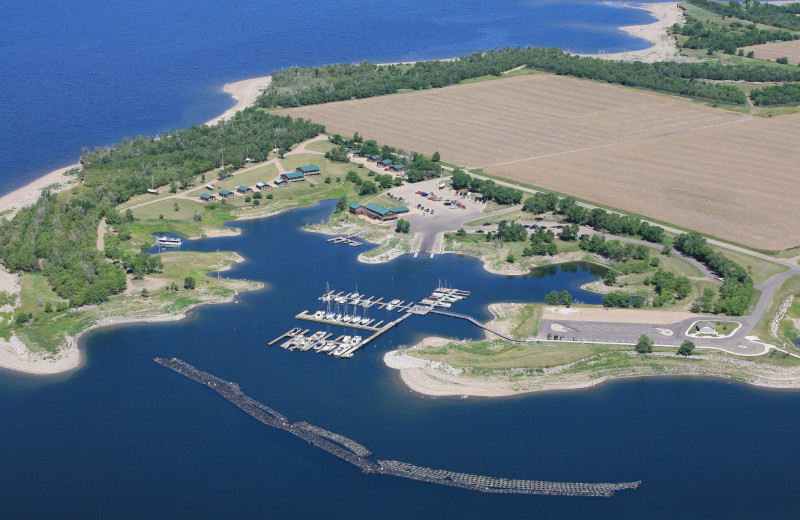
(549, 335)
(479, 231)
(487, 223)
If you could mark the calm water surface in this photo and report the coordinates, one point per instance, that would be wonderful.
(124, 437)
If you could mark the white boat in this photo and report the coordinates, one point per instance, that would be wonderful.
(346, 339)
(392, 304)
(437, 294)
(366, 304)
(443, 304)
(341, 349)
(165, 241)
(340, 299)
(426, 301)
(356, 320)
(319, 315)
(318, 335)
(347, 318)
(329, 345)
(319, 345)
(367, 321)
(330, 316)
(355, 340)
(338, 317)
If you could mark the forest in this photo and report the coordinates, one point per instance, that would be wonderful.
(783, 16)
(57, 235)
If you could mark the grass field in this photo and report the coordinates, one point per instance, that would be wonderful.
(698, 167)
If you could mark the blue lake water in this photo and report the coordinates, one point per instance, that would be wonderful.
(92, 73)
(125, 438)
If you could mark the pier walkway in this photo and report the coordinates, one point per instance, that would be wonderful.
(481, 325)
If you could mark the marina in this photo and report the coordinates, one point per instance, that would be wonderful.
(336, 313)
(356, 454)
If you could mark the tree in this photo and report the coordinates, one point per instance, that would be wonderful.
(436, 157)
(686, 348)
(189, 283)
(403, 226)
(552, 298)
(610, 278)
(510, 258)
(368, 188)
(565, 298)
(145, 293)
(173, 186)
(461, 232)
(341, 205)
(644, 345)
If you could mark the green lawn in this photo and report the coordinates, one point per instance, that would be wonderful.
(321, 146)
(790, 286)
(760, 270)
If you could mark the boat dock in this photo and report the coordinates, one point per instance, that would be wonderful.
(346, 346)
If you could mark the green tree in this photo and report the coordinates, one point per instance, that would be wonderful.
(552, 298)
(368, 188)
(461, 232)
(189, 283)
(48, 307)
(341, 205)
(403, 226)
(610, 278)
(565, 298)
(510, 258)
(175, 206)
(436, 157)
(173, 186)
(644, 345)
(686, 348)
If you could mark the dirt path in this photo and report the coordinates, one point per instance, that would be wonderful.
(102, 229)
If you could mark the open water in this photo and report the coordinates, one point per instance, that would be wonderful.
(126, 438)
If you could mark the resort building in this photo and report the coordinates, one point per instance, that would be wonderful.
(225, 194)
(377, 212)
(374, 158)
(311, 169)
(293, 176)
(262, 186)
(385, 163)
(244, 189)
(398, 168)
(281, 182)
(706, 327)
(207, 197)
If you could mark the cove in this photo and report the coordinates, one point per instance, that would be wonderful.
(123, 437)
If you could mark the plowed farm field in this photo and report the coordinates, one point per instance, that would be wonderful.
(702, 168)
(773, 50)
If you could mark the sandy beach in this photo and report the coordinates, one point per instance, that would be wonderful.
(28, 194)
(664, 47)
(245, 93)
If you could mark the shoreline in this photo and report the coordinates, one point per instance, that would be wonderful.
(663, 46)
(14, 355)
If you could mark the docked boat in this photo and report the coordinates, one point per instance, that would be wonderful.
(347, 318)
(166, 241)
(341, 349)
(444, 304)
(355, 340)
(338, 317)
(392, 304)
(356, 320)
(329, 345)
(318, 335)
(330, 316)
(319, 315)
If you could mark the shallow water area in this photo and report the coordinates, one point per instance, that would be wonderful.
(125, 437)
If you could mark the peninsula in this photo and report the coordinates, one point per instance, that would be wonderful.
(486, 201)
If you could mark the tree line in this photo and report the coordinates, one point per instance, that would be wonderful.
(488, 189)
(777, 95)
(737, 290)
(298, 86)
(783, 16)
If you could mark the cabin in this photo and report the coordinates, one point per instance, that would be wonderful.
(357, 153)
(311, 169)
(347, 149)
(225, 194)
(293, 176)
(261, 186)
(706, 327)
(244, 189)
(378, 212)
(385, 163)
(398, 168)
(207, 197)
(374, 158)
(280, 182)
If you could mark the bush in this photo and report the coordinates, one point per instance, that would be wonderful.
(257, 195)
(269, 196)
(189, 283)
(686, 348)
(644, 345)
